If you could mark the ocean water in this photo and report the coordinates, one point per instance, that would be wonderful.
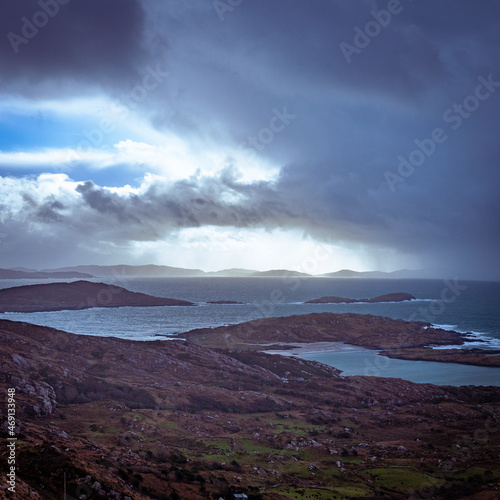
(467, 306)
(464, 306)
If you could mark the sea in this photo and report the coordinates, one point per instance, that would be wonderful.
(454, 304)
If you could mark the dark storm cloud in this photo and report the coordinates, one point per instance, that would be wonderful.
(91, 218)
(45, 45)
(165, 208)
(49, 211)
(107, 204)
(353, 118)
(88, 213)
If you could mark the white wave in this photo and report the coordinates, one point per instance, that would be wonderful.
(363, 303)
(483, 339)
(38, 313)
(438, 347)
(444, 327)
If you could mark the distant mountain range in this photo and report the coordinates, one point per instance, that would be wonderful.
(154, 271)
(402, 273)
(15, 274)
(147, 271)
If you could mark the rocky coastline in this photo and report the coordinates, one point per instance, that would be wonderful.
(395, 338)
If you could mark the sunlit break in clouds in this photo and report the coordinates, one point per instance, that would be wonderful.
(251, 134)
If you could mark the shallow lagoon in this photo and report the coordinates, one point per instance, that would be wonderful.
(353, 360)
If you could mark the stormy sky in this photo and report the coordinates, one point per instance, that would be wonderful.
(313, 135)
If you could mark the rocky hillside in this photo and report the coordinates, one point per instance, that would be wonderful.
(411, 340)
(365, 330)
(175, 420)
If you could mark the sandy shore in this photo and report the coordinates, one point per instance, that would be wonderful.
(294, 348)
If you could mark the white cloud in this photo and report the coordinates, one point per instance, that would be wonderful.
(105, 133)
(17, 194)
(173, 160)
(50, 157)
(166, 222)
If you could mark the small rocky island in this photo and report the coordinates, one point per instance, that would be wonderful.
(77, 295)
(389, 297)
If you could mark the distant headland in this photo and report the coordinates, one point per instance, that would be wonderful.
(76, 295)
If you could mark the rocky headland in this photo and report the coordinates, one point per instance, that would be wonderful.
(176, 420)
(477, 357)
(76, 295)
(395, 338)
(390, 297)
(364, 330)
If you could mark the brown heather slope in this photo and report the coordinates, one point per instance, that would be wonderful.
(411, 340)
(366, 330)
(172, 419)
(76, 295)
